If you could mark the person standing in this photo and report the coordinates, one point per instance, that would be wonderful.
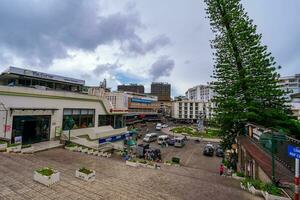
(221, 170)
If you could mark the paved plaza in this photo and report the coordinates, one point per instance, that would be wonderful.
(197, 179)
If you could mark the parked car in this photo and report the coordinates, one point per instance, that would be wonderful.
(208, 150)
(171, 141)
(164, 126)
(219, 151)
(163, 139)
(179, 141)
(158, 126)
(150, 137)
(141, 150)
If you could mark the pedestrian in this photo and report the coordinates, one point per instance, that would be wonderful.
(221, 169)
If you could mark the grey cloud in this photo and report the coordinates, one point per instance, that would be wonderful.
(162, 67)
(41, 31)
(100, 69)
(136, 46)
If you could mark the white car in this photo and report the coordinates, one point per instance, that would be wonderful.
(158, 127)
(164, 126)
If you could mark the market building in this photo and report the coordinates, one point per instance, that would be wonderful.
(37, 105)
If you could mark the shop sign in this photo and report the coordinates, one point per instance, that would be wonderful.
(18, 139)
(116, 138)
(140, 100)
(257, 133)
(7, 128)
(294, 151)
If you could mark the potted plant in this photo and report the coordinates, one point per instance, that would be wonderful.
(271, 192)
(90, 151)
(3, 145)
(132, 163)
(46, 176)
(16, 147)
(27, 148)
(71, 146)
(85, 174)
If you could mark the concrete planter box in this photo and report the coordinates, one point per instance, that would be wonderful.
(142, 165)
(237, 177)
(15, 149)
(3, 147)
(46, 180)
(95, 153)
(27, 150)
(91, 151)
(132, 164)
(242, 186)
(255, 191)
(151, 166)
(100, 153)
(86, 177)
(79, 148)
(268, 196)
(84, 150)
(71, 148)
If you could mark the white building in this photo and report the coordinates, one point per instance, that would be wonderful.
(189, 110)
(200, 93)
(41, 114)
(295, 105)
(290, 83)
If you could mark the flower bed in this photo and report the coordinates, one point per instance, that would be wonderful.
(46, 176)
(268, 190)
(141, 163)
(85, 174)
(16, 148)
(71, 147)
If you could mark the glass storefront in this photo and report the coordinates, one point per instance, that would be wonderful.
(83, 118)
(116, 121)
(32, 128)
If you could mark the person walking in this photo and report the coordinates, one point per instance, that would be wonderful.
(221, 170)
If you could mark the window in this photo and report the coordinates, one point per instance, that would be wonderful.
(116, 121)
(82, 118)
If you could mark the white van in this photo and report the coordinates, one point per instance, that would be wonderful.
(158, 127)
(163, 139)
(150, 137)
(179, 142)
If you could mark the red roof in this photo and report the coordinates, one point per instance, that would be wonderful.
(264, 160)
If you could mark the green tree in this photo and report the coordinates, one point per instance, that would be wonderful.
(244, 72)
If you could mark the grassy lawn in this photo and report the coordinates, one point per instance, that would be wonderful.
(210, 133)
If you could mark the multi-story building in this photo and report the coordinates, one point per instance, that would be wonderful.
(295, 105)
(290, 84)
(37, 106)
(132, 88)
(189, 110)
(200, 93)
(161, 90)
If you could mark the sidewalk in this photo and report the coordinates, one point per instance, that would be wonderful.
(168, 132)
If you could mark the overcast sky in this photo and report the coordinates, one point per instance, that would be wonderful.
(128, 41)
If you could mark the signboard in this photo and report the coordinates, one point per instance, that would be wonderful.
(116, 138)
(20, 71)
(294, 151)
(58, 131)
(139, 100)
(256, 133)
(18, 139)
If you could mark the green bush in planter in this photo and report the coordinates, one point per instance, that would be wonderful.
(2, 142)
(240, 174)
(272, 189)
(85, 170)
(71, 145)
(13, 145)
(26, 146)
(45, 171)
(257, 184)
(176, 160)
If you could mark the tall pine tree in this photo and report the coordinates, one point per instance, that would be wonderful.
(245, 72)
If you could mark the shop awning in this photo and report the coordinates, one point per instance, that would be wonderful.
(33, 109)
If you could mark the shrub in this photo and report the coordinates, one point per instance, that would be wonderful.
(45, 171)
(2, 142)
(176, 160)
(71, 145)
(240, 174)
(85, 170)
(14, 145)
(271, 189)
(257, 184)
(26, 146)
